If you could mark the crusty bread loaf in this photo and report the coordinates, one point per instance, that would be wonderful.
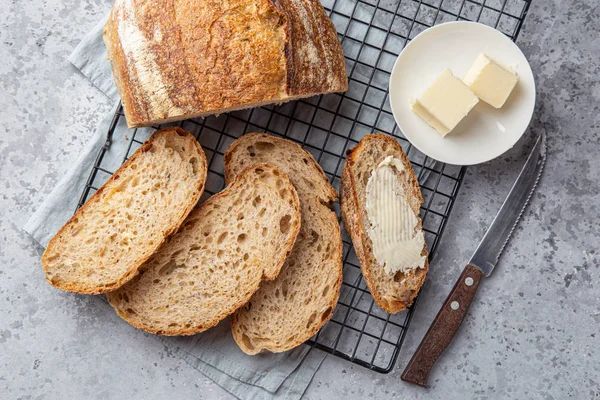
(289, 310)
(395, 292)
(217, 259)
(185, 59)
(129, 217)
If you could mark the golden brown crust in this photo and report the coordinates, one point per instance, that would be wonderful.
(314, 55)
(98, 196)
(176, 60)
(355, 221)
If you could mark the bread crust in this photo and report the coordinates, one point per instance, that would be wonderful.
(98, 196)
(178, 60)
(400, 294)
(116, 302)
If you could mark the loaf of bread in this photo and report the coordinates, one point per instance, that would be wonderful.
(174, 60)
(287, 311)
(128, 218)
(392, 292)
(217, 259)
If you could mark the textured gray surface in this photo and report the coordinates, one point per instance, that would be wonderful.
(533, 331)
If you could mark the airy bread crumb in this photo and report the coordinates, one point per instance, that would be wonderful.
(289, 310)
(217, 259)
(101, 247)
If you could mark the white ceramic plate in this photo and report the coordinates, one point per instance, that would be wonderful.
(486, 132)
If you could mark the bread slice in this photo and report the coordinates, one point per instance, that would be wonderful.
(289, 310)
(253, 52)
(394, 292)
(216, 261)
(128, 218)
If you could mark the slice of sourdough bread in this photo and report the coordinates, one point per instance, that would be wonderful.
(101, 247)
(217, 259)
(289, 310)
(392, 292)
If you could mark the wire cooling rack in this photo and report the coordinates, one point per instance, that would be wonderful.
(372, 34)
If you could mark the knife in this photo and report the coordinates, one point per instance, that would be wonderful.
(482, 263)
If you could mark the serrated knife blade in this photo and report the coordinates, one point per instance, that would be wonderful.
(454, 309)
(495, 239)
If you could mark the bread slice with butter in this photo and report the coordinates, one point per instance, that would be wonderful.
(217, 259)
(101, 247)
(380, 201)
(287, 311)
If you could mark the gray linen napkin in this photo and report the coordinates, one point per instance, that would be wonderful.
(213, 353)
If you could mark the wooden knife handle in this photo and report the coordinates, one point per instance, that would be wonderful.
(444, 326)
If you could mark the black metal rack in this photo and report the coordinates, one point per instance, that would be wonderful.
(372, 33)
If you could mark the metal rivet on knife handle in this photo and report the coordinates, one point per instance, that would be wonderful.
(469, 281)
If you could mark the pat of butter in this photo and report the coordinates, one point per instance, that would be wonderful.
(491, 81)
(397, 243)
(445, 103)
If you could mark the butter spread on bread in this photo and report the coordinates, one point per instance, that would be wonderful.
(392, 291)
(174, 60)
(397, 243)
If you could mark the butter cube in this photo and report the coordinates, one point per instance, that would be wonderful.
(445, 103)
(491, 81)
